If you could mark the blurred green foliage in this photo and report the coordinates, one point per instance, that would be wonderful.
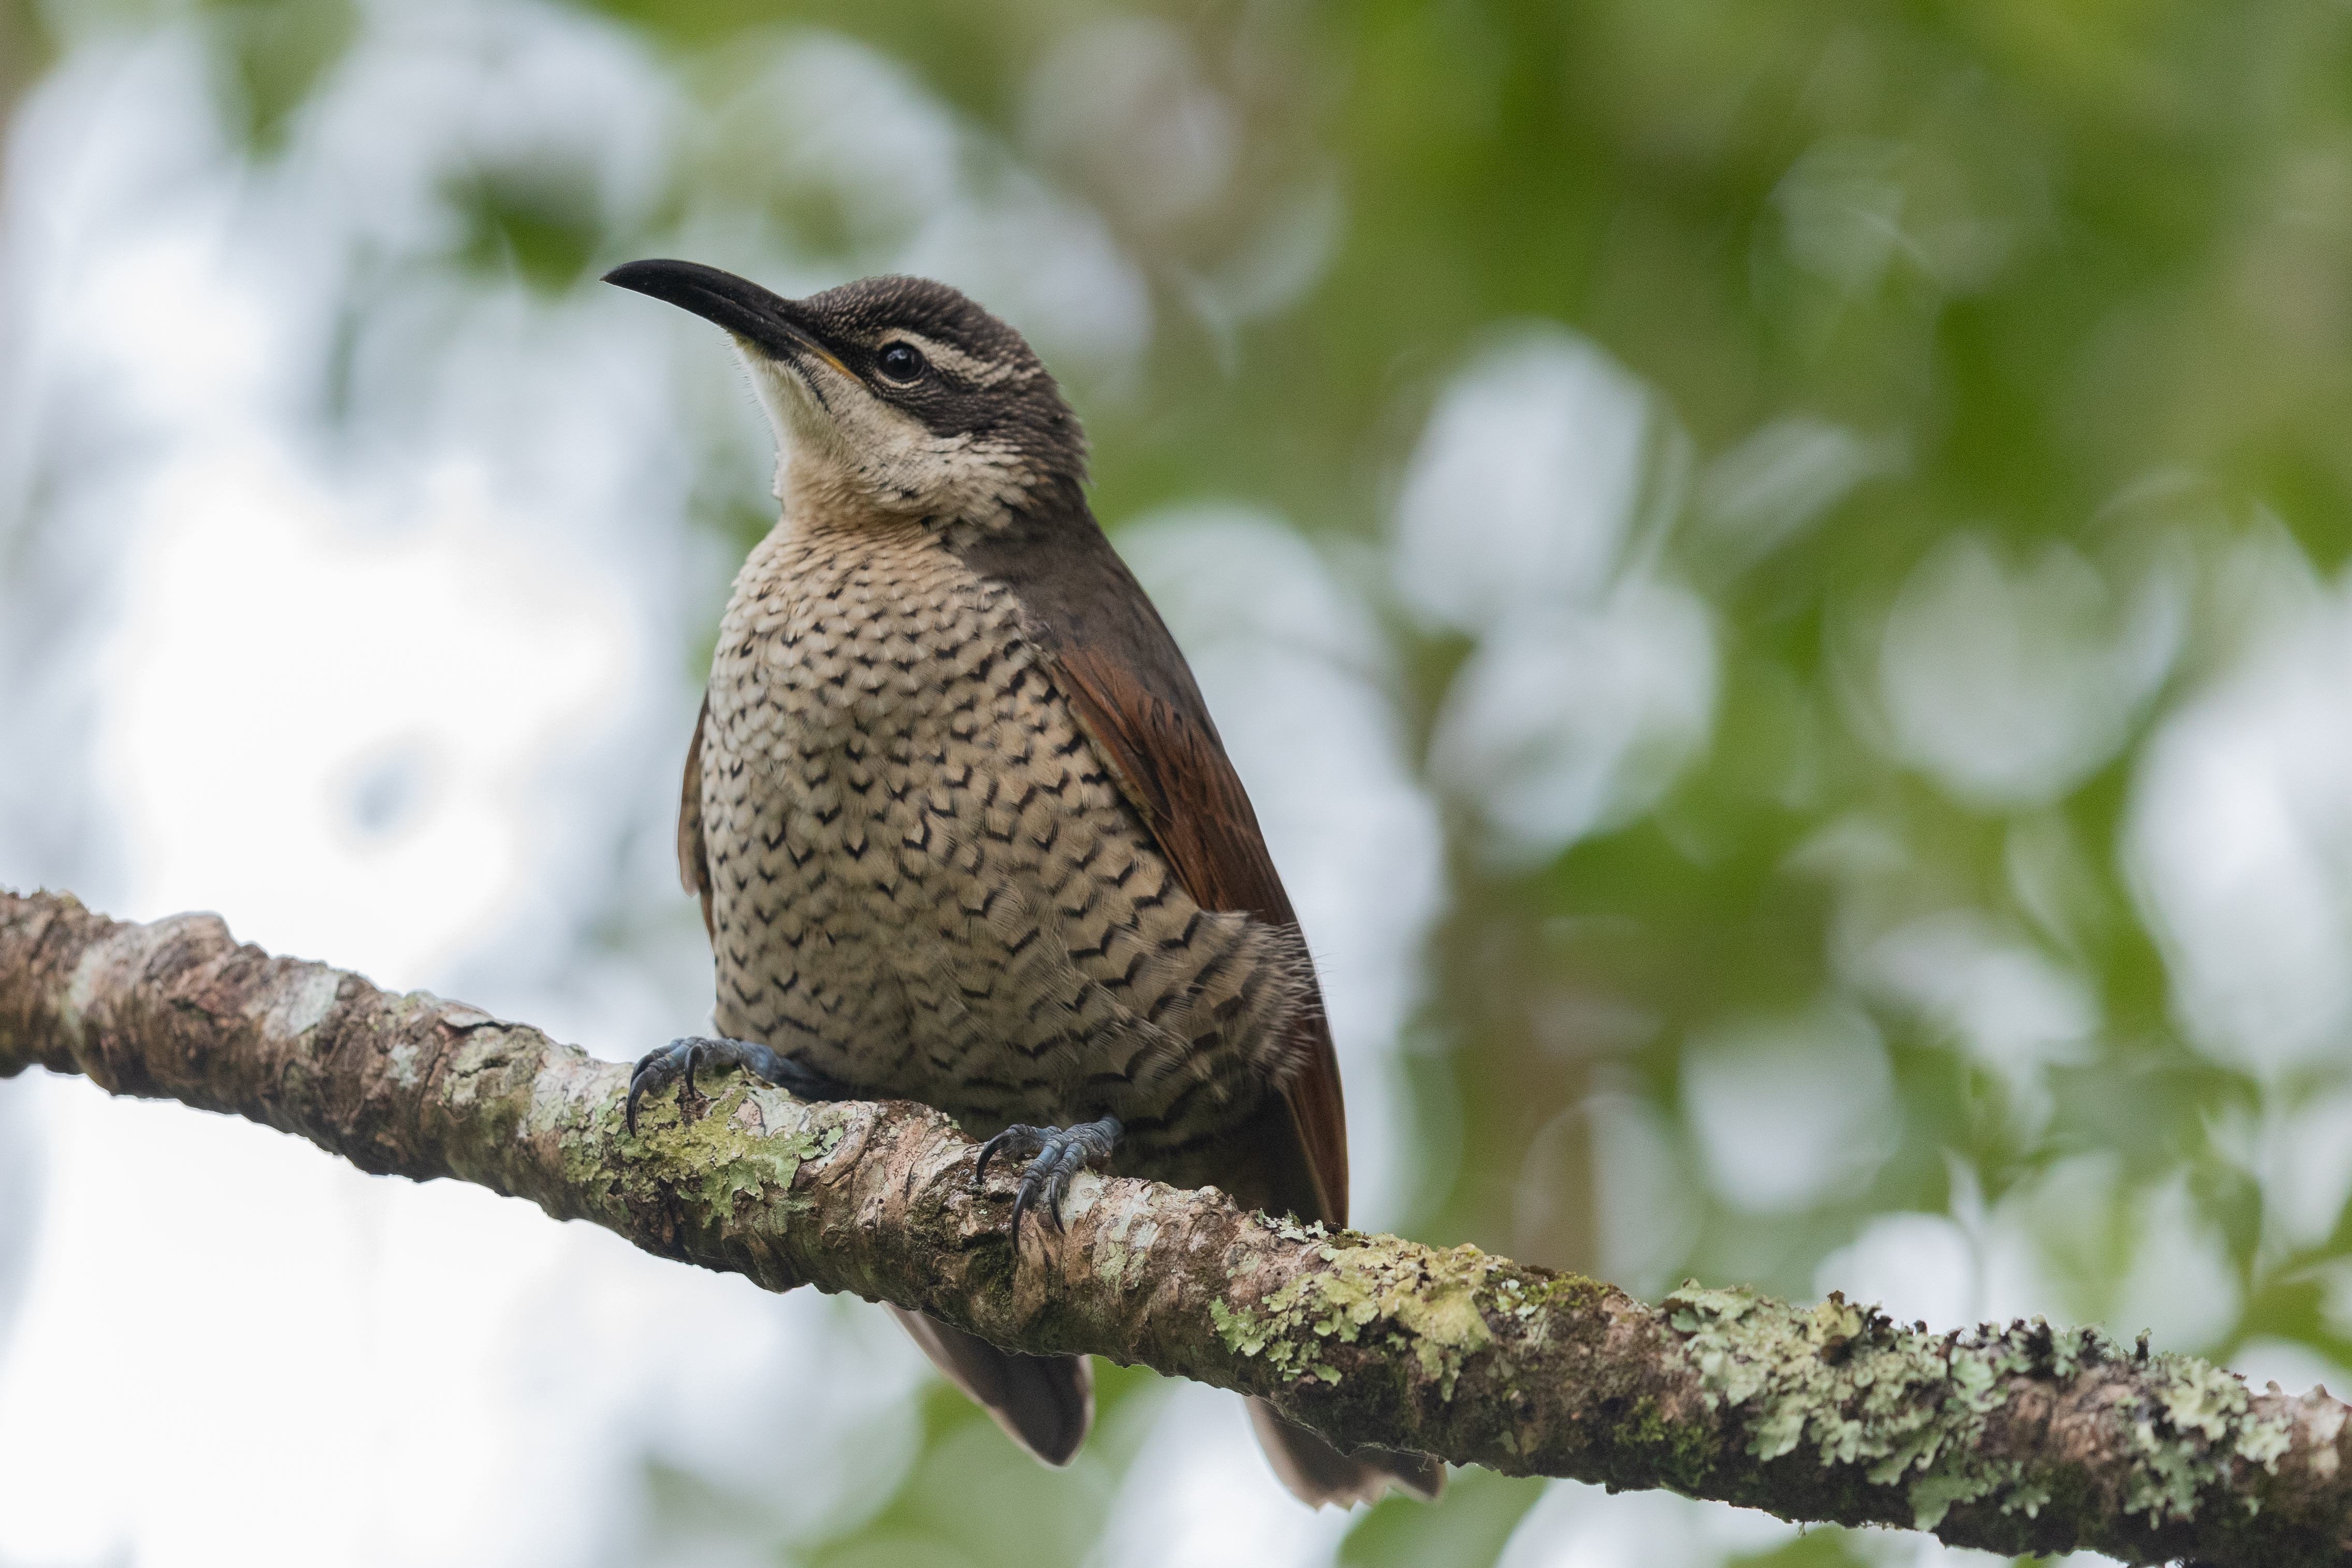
(2042, 255)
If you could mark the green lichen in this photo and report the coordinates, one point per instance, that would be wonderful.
(1912, 1408)
(1536, 1302)
(727, 1155)
(1375, 1289)
(2263, 1439)
(1122, 1250)
(2192, 1400)
(2199, 1396)
(1244, 1332)
(1907, 1406)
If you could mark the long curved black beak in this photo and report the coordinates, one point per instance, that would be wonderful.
(776, 325)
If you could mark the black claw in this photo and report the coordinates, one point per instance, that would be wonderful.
(1031, 1137)
(677, 1060)
(653, 1070)
(1061, 1153)
(1020, 1202)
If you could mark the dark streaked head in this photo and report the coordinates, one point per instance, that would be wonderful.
(895, 395)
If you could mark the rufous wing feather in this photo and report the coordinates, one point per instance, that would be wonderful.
(1131, 693)
(1176, 772)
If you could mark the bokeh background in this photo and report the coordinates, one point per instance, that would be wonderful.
(1776, 570)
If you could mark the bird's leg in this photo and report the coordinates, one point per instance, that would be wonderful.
(1061, 1152)
(677, 1060)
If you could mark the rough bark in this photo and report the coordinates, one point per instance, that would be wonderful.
(2028, 1439)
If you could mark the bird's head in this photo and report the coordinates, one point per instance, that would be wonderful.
(890, 396)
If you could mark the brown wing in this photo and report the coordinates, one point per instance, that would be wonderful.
(693, 860)
(1132, 692)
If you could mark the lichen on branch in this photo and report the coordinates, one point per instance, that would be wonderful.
(2024, 1439)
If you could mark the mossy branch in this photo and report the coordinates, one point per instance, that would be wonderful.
(2031, 1439)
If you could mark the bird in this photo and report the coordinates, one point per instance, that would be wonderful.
(963, 830)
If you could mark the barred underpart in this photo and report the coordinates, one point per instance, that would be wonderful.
(926, 882)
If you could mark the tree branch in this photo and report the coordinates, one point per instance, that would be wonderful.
(2031, 1439)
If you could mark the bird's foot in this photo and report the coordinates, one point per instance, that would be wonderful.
(676, 1062)
(1061, 1153)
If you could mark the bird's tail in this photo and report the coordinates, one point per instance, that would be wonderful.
(1317, 1473)
(1045, 1402)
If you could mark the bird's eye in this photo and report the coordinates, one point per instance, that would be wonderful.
(901, 361)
